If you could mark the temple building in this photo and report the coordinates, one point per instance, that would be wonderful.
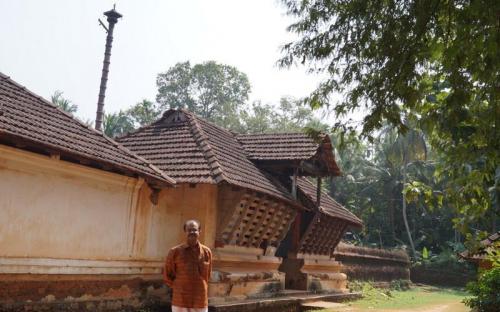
(77, 219)
(89, 220)
(271, 228)
(489, 245)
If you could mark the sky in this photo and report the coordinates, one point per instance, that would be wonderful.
(58, 45)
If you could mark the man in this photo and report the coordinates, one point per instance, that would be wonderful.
(187, 271)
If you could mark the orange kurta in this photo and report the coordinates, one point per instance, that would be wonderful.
(187, 271)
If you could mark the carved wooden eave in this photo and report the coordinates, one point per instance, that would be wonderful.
(251, 219)
(319, 228)
(322, 235)
(321, 164)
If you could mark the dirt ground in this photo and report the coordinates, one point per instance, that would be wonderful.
(442, 307)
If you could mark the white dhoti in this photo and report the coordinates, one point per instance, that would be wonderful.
(181, 309)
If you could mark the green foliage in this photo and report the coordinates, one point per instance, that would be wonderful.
(466, 140)
(425, 253)
(63, 103)
(485, 292)
(259, 118)
(213, 91)
(434, 63)
(373, 187)
(144, 112)
(379, 52)
(446, 260)
(400, 285)
(493, 254)
(116, 124)
(218, 93)
(291, 115)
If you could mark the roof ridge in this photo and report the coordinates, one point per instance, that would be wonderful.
(207, 121)
(269, 133)
(142, 128)
(205, 146)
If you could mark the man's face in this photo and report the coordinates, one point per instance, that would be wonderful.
(192, 232)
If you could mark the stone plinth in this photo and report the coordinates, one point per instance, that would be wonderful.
(241, 272)
(314, 273)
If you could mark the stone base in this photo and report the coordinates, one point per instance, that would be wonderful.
(323, 274)
(314, 273)
(240, 273)
(25, 292)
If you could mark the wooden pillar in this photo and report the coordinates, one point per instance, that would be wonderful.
(318, 192)
(294, 184)
(295, 237)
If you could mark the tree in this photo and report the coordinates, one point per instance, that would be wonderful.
(258, 119)
(144, 112)
(116, 124)
(293, 115)
(436, 62)
(372, 185)
(211, 90)
(63, 103)
(407, 148)
(290, 115)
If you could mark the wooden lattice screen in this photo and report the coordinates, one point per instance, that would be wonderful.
(255, 219)
(322, 235)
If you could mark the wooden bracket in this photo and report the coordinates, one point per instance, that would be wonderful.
(55, 156)
(154, 196)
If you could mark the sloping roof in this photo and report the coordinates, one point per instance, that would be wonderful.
(28, 117)
(276, 146)
(290, 147)
(193, 150)
(483, 246)
(328, 205)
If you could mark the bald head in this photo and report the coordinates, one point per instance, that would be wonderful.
(192, 229)
(192, 221)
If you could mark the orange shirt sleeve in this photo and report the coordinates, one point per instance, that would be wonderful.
(210, 265)
(169, 269)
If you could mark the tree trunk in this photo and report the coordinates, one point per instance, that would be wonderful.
(391, 222)
(405, 217)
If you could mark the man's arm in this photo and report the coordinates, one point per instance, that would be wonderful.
(210, 265)
(169, 269)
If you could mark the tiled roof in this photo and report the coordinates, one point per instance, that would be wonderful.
(487, 242)
(193, 150)
(483, 246)
(328, 205)
(28, 117)
(288, 150)
(279, 146)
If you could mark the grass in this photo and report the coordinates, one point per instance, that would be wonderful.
(413, 299)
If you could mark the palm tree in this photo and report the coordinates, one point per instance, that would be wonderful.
(63, 103)
(408, 148)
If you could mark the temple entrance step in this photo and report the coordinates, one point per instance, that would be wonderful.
(294, 293)
(295, 301)
(320, 305)
(333, 297)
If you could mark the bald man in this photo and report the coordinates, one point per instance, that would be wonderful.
(187, 271)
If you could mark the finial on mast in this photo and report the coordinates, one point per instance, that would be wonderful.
(113, 17)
